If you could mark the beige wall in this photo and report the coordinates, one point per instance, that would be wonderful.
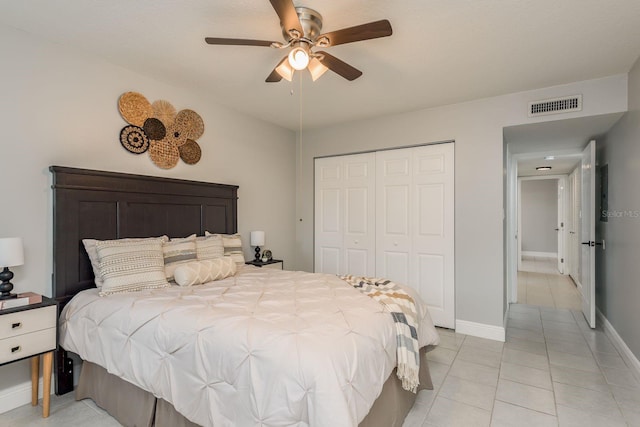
(59, 107)
(476, 128)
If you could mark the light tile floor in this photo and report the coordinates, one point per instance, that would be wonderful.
(553, 370)
(540, 283)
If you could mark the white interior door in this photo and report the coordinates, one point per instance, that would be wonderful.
(575, 231)
(560, 226)
(588, 233)
(415, 224)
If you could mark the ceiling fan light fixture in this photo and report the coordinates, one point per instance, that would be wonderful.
(285, 71)
(299, 57)
(316, 69)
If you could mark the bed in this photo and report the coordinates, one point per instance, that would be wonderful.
(315, 334)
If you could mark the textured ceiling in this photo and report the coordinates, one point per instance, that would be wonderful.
(441, 52)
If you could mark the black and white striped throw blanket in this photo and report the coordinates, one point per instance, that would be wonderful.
(403, 310)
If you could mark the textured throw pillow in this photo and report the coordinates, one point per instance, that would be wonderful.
(131, 266)
(176, 252)
(90, 247)
(196, 273)
(232, 246)
(209, 247)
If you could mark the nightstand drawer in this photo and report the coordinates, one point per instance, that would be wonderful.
(15, 348)
(27, 321)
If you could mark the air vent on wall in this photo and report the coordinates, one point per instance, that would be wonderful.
(555, 106)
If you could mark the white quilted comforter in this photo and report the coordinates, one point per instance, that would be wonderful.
(266, 347)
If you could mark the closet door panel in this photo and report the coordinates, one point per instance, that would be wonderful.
(433, 233)
(360, 216)
(345, 215)
(430, 280)
(328, 215)
(394, 203)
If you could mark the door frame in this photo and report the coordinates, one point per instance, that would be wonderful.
(562, 181)
(514, 259)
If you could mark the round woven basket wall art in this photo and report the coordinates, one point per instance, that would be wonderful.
(157, 128)
(190, 152)
(164, 154)
(134, 108)
(134, 140)
(164, 111)
(154, 129)
(191, 123)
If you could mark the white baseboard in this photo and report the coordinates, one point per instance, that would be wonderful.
(540, 254)
(630, 359)
(480, 330)
(19, 395)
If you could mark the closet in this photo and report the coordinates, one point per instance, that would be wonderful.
(390, 214)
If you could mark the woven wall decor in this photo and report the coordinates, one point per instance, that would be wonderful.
(134, 108)
(164, 111)
(191, 123)
(154, 129)
(190, 152)
(134, 140)
(157, 128)
(164, 154)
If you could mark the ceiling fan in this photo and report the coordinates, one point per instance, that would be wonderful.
(301, 31)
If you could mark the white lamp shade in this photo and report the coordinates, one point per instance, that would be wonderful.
(11, 252)
(257, 238)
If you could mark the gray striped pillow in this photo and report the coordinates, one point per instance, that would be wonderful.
(232, 247)
(131, 266)
(209, 247)
(176, 252)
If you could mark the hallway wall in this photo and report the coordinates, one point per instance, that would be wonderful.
(617, 267)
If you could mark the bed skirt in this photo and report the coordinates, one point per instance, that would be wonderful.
(132, 406)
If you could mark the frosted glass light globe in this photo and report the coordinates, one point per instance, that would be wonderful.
(298, 58)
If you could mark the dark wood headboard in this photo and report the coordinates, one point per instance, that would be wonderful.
(109, 205)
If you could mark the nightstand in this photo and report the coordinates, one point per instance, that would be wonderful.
(31, 331)
(276, 264)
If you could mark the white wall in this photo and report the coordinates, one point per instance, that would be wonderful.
(617, 267)
(59, 107)
(539, 213)
(476, 128)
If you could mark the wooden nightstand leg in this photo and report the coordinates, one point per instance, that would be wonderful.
(47, 367)
(35, 376)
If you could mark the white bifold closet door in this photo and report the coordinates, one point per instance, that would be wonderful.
(345, 215)
(415, 224)
(390, 214)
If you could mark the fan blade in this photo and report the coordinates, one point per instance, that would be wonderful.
(283, 69)
(372, 30)
(338, 66)
(288, 16)
(237, 42)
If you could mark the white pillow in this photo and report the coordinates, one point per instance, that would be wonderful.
(232, 244)
(178, 251)
(199, 272)
(131, 266)
(90, 247)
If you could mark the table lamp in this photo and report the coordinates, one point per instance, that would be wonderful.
(11, 255)
(257, 240)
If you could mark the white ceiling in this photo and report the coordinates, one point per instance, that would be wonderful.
(441, 52)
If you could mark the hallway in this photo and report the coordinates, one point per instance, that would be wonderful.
(540, 283)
